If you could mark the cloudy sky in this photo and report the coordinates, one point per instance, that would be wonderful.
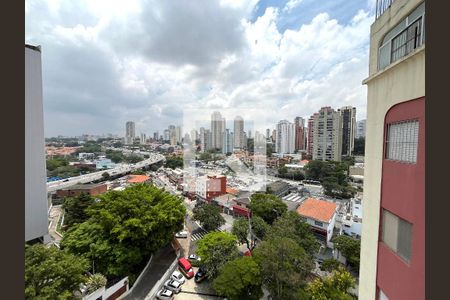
(109, 61)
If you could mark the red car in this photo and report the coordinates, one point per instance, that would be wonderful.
(185, 267)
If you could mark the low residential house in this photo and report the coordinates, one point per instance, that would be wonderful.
(241, 208)
(225, 202)
(321, 215)
(78, 189)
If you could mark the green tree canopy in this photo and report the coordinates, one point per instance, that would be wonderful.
(51, 273)
(239, 279)
(330, 264)
(284, 266)
(75, 209)
(359, 146)
(291, 225)
(259, 227)
(334, 287)
(240, 229)
(174, 162)
(268, 207)
(350, 248)
(208, 215)
(125, 227)
(216, 249)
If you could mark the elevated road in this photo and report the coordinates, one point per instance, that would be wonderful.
(121, 169)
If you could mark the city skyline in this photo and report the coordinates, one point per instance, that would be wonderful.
(261, 53)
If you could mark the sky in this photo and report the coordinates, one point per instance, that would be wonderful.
(106, 62)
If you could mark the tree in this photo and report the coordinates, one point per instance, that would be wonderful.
(240, 230)
(174, 162)
(284, 266)
(350, 248)
(51, 273)
(138, 172)
(259, 227)
(268, 207)
(216, 249)
(206, 156)
(239, 279)
(282, 171)
(334, 287)
(133, 158)
(105, 176)
(330, 264)
(95, 282)
(75, 209)
(208, 215)
(125, 227)
(291, 225)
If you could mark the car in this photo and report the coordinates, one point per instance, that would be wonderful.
(200, 275)
(164, 294)
(173, 285)
(194, 256)
(181, 234)
(178, 276)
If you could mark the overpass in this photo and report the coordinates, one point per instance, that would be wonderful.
(121, 169)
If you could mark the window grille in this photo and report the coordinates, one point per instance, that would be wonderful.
(402, 141)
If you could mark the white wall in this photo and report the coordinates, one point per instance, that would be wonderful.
(36, 206)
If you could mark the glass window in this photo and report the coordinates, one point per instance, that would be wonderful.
(318, 223)
(397, 234)
(402, 141)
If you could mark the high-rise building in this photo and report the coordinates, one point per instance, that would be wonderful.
(393, 235)
(274, 135)
(217, 129)
(156, 135)
(166, 136)
(268, 134)
(348, 115)
(130, 133)
(205, 140)
(228, 142)
(327, 135)
(239, 132)
(285, 142)
(143, 138)
(178, 134)
(194, 135)
(36, 200)
(361, 129)
(299, 133)
(172, 135)
(311, 134)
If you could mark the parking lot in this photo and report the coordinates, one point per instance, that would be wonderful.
(193, 290)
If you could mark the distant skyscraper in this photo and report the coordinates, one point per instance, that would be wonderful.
(194, 135)
(205, 140)
(156, 135)
(361, 129)
(178, 134)
(228, 141)
(36, 201)
(267, 133)
(217, 129)
(172, 135)
(299, 133)
(348, 115)
(143, 138)
(238, 132)
(311, 134)
(130, 133)
(327, 144)
(166, 136)
(285, 142)
(274, 135)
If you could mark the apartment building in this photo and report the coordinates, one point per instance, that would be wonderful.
(285, 142)
(130, 132)
(327, 135)
(348, 116)
(393, 233)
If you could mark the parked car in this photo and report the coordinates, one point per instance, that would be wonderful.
(194, 256)
(164, 294)
(173, 285)
(200, 275)
(178, 276)
(185, 267)
(181, 234)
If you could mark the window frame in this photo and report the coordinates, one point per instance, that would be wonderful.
(399, 236)
(400, 141)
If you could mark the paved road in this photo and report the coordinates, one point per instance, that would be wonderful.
(54, 215)
(160, 263)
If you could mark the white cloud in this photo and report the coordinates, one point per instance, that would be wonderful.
(291, 4)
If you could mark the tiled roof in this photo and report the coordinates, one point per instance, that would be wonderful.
(317, 209)
(138, 178)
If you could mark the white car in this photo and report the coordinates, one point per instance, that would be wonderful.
(173, 285)
(176, 275)
(194, 257)
(181, 234)
(164, 294)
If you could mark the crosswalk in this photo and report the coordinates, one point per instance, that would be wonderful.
(200, 234)
(294, 197)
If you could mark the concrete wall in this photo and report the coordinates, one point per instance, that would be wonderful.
(36, 205)
(401, 81)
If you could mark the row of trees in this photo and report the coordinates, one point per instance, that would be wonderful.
(282, 261)
(118, 156)
(333, 175)
(174, 162)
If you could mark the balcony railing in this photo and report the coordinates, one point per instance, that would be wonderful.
(381, 6)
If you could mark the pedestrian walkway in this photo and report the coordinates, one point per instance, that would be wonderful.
(198, 235)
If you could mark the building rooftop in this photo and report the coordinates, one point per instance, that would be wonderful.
(277, 186)
(317, 209)
(138, 178)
